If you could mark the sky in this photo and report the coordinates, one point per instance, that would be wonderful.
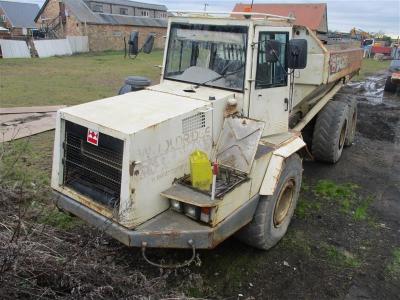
(343, 15)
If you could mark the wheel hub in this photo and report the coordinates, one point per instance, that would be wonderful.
(284, 202)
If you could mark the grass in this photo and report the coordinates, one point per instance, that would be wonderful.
(350, 202)
(371, 66)
(393, 269)
(306, 208)
(70, 80)
(59, 219)
(53, 81)
(339, 257)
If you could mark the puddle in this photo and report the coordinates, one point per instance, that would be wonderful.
(371, 90)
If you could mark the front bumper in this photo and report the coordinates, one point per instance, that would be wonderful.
(169, 229)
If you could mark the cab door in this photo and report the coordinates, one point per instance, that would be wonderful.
(269, 97)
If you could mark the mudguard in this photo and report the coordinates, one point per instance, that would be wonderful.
(275, 165)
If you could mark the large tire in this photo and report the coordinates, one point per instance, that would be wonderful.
(352, 120)
(274, 213)
(330, 132)
(390, 86)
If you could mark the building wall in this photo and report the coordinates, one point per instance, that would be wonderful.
(6, 23)
(101, 37)
(111, 37)
(51, 11)
(71, 27)
(132, 11)
(14, 31)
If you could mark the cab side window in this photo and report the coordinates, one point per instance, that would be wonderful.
(271, 74)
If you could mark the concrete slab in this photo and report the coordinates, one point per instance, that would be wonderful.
(32, 109)
(23, 125)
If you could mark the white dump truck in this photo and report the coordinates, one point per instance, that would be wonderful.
(242, 89)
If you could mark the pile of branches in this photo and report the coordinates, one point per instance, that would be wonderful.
(40, 261)
(45, 262)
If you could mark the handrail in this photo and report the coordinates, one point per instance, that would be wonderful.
(231, 13)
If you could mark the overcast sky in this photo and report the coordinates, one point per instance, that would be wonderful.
(369, 15)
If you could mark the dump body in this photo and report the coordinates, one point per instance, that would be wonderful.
(122, 163)
(326, 65)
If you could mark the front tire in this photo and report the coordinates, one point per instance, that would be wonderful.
(274, 213)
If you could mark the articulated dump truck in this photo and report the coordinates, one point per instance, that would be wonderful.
(249, 93)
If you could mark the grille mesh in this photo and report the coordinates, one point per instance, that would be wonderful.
(94, 171)
(194, 122)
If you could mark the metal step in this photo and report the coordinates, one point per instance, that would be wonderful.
(189, 195)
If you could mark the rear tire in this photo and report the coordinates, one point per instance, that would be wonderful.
(330, 132)
(390, 86)
(352, 120)
(274, 213)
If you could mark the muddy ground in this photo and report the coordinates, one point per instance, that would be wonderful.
(343, 243)
(331, 250)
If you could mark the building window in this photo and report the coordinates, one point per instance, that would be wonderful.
(161, 15)
(123, 11)
(145, 13)
(98, 8)
(2, 18)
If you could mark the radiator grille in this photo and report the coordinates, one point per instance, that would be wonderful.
(93, 171)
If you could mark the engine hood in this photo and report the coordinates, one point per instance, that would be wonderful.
(191, 91)
(132, 112)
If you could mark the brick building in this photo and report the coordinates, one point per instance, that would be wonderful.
(18, 18)
(105, 22)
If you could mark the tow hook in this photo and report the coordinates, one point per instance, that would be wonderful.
(171, 266)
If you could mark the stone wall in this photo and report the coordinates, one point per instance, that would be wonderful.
(111, 37)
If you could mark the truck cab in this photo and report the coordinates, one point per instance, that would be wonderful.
(228, 89)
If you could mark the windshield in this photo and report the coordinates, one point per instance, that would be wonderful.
(207, 55)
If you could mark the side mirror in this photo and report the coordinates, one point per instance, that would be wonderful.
(149, 43)
(297, 54)
(272, 51)
(134, 43)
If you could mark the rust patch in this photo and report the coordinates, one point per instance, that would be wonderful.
(88, 202)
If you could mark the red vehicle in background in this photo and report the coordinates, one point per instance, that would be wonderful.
(377, 47)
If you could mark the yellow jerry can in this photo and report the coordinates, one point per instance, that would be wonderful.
(200, 170)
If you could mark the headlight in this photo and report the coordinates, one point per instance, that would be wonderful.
(176, 205)
(192, 211)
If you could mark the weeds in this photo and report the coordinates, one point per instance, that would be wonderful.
(345, 195)
(57, 260)
(393, 269)
(306, 208)
(339, 257)
(331, 190)
(59, 219)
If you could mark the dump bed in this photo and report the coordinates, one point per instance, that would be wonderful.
(327, 63)
(343, 59)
